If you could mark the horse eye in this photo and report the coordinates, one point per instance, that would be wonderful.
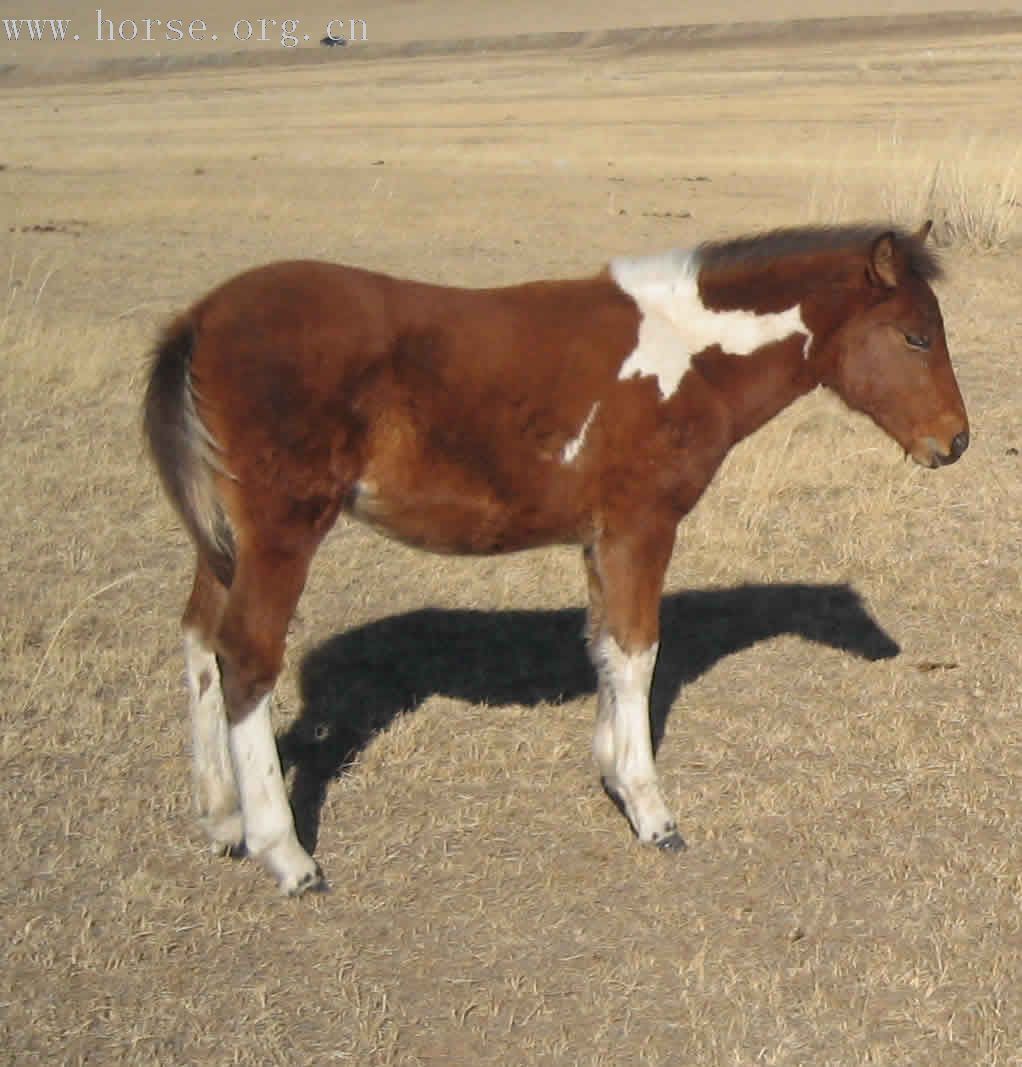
(915, 340)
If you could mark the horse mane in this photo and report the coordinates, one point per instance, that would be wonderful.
(724, 256)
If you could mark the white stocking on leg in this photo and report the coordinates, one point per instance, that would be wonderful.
(622, 743)
(269, 825)
(214, 789)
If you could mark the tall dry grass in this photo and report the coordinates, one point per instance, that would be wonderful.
(969, 187)
(971, 193)
(20, 317)
(41, 343)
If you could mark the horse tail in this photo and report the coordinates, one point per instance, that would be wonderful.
(186, 454)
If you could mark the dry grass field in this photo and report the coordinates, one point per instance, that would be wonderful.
(840, 673)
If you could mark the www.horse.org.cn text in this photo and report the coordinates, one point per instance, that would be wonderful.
(287, 32)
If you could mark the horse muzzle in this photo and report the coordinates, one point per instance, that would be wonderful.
(930, 453)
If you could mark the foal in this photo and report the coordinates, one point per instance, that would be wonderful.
(592, 411)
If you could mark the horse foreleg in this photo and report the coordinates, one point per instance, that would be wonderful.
(625, 584)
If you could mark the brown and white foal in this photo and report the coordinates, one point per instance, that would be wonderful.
(592, 411)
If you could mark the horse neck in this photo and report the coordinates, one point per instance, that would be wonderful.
(776, 306)
(758, 386)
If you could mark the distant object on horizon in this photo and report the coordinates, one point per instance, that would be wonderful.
(332, 42)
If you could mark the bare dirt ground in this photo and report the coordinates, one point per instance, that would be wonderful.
(840, 672)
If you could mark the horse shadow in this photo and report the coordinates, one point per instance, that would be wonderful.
(356, 683)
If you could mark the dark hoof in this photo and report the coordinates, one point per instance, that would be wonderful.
(231, 850)
(314, 882)
(672, 842)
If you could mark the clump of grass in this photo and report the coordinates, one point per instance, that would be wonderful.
(971, 195)
(42, 345)
(19, 313)
(971, 191)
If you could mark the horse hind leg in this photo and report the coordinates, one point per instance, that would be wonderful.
(250, 647)
(214, 788)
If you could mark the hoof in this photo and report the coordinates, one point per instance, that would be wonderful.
(313, 882)
(226, 835)
(229, 849)
(672, 842)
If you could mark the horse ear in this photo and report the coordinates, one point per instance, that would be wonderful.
(883, 262)
(923, 232)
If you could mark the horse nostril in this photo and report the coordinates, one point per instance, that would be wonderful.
(959, 444)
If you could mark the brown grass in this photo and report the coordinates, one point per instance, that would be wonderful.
(967, 185)
(851, 894)
(969, 189)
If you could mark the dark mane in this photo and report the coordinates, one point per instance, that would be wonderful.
(723, 256)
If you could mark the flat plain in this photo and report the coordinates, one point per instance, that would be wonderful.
(840, 672)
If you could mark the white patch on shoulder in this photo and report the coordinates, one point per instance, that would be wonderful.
(571, 450)
(676, 325)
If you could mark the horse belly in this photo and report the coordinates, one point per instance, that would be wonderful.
(438, 516)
